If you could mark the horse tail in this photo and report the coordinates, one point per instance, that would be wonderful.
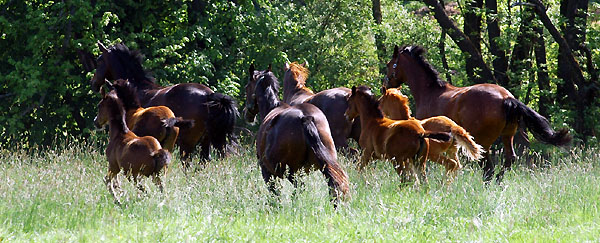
(465, 141)
(162, 158)
(222, 113)
(537, 124)
(177, 122)
(337, 177)
(442, 136)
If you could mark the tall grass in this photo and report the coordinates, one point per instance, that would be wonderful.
(59, 195)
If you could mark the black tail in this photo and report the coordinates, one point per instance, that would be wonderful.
(537, 124)
(222, 113)
(337, 177)
(442, 136)
(178, 122)
(162, 158)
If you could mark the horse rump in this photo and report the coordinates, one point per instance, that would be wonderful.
(336, 176)
(222, 113)
(537, 124)
(162, 158)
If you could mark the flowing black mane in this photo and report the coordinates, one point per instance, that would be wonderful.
(268, 83)
(131, 62)
(417, 52)
(373, 104)
(127, 93)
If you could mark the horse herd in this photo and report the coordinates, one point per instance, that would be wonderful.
(304, 130)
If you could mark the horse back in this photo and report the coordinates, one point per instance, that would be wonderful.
(185, 100)
(478, 109)
(280, 140)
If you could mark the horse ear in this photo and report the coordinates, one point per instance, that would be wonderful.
(102, 92)
(251, 70)
(396, 50)
(287, 66)
(102, 47)
(109, 85)
(304, 64)
(353, 90)
(269, 68)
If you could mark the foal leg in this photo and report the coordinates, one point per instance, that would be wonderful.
(109, 181)
(156, 179)
(509, 156)
(365, 158)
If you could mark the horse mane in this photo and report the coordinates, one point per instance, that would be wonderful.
(397, 95)
(416, 52)
(297, 72)
(371, 103)
(132, 64)
(127, 93)
(270, 83)
(117, 109)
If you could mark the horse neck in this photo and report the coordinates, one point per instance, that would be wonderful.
(294, 88)
(400, 113)
(367, 113)
(270, 102)
(117, 127)
(422, 86)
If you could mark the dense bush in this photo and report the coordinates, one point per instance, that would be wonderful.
(44, 90)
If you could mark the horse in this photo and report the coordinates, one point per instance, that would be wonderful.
(395, 106)
(296, 137)
(333, 103)
(402, 141)
(486, 111)
(156, 121)
(127, 152)
(214, 114)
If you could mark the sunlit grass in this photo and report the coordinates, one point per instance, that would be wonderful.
(59, 195)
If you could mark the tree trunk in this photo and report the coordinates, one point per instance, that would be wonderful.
(472, 28)
(520, 62)
(543, 78)
(381, 53)
(577, 90)
(460, 39)
(500, 62)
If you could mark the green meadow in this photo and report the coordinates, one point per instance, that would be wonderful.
(59, 196)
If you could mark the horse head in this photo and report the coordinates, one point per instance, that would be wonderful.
(395, 75)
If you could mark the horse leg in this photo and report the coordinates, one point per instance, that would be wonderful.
(365, 158)
(509, 156)
(205, 149)
(156, 179)
(268, 177)
(109, 181)
(138, 184)
(488, 166)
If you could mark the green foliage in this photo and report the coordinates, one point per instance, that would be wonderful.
(45, 93)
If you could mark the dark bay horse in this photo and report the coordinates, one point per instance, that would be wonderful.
(214, 114)
(295, 137)
(402, 141)
(135, 156)
(156, 121)
(395, 106)
(333, 103)
(486, 111)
